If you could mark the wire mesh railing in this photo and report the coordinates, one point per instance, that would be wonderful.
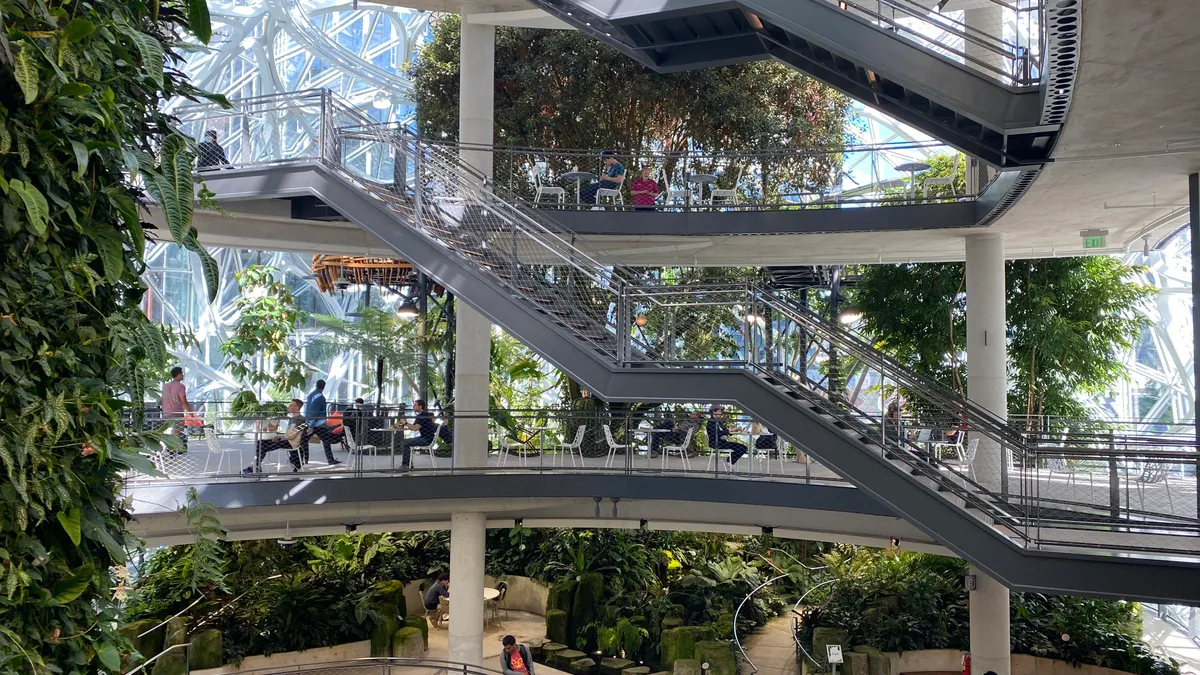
(999, 39)
(680, 440)
(931, 435)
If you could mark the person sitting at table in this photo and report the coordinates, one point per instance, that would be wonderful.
(614, 175)
(677, 432)
(275, 439)
(644, 190)
(355, 419)
(437, 590)
(766, 440)
(718, 437)
(426, 427)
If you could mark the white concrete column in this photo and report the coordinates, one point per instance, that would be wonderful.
(987, 346)
(477, 86)
(467, 537)
(990, 639)
(990, 21)
(472, 349)
(472, 379)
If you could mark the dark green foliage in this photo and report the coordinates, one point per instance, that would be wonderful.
(900, 602)
(148, 645)
(81, 88)
(1069, 320)
(566, 89)
(585, 609)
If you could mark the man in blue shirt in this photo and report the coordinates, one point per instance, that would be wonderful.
(614, 176)
(318, 425)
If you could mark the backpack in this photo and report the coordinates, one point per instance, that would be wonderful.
(295, 435)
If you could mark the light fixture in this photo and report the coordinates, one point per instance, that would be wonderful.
(380, 102)
(751, 317)
(849, 317)
(407, 309)
(640, 321)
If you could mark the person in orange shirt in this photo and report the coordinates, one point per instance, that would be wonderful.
(515, 659)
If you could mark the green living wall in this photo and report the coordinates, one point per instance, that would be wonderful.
(80, 88)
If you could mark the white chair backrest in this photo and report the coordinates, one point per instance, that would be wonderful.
(923, 435)
(1057, 464)
(687, 439)
(579, 435)
(349, 436)
(608, 436)
(437, 431)
(211, 437)
(972, 448)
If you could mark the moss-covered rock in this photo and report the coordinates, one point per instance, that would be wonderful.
(636, 670)
(680, 642)
(718, 657)
(420, 623)
(671, 622)
(560, 596)
(176, 632)
(878, 663)
(391, 594)
(381, 635)
(614, 666)
(206, 650)
(822, 637)
(556, 627)
(407, 643)
(582, 667)
(549, 650)
(535, 648)
(147, 645)
(857, 663)
(686, 667)
(562, 659)
(585, 607)
(171, 663)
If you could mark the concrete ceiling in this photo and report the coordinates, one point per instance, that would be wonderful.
(1131, 139)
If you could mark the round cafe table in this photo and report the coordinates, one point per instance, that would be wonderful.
(579, 177)
(912, 168)
(491, 593)
(700, 179)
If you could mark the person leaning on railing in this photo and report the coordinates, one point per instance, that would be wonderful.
(280, 440)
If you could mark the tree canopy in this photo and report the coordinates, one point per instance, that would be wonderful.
(1069, 319)
(563, 89)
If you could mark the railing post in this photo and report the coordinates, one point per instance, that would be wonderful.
(322, 132)
(246, 154)
(1114, 479)
(418, 184)
(623, 325)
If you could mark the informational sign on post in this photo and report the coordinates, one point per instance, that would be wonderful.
(833, 654)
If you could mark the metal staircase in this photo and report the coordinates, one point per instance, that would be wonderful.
(993, 97)
(619, 336)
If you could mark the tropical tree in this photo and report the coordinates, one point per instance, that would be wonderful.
(260, 351)
(564, 89)
(1069, 319)
(81, 90)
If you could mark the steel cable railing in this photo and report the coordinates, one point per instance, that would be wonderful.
(584, 294)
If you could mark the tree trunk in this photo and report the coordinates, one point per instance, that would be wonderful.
(379, 382)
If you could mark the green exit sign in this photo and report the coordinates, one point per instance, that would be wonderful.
(1096, 242)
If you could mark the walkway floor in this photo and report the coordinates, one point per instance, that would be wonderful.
(520, 625)
(771, 649)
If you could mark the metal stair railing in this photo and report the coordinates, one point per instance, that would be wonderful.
(589, 299)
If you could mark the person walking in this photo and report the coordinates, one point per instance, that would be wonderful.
(175, 405)
(718, 437)
(515, 659)
(210, 154)
(315, 408)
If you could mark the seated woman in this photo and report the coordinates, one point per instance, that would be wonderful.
(614, 175)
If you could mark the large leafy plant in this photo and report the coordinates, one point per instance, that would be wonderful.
(260, 351)
(81, 85)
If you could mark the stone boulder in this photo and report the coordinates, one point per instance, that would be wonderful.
(171, 663)
(560, 596)
(408, 644)
(206, 650)
(556, 627)
(381, 635)
(420, 623)
(857, 663)
(535, 648)
(680, 642)
(549, 649)
(176, 632)
(717, 655)
(583, 666)
(827, 636)
(147, 645)
(636, 670)
(671, 622)
(562, 659)
(614, 666)
(687, 667)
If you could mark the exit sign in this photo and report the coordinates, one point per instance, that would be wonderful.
(1100, 241)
